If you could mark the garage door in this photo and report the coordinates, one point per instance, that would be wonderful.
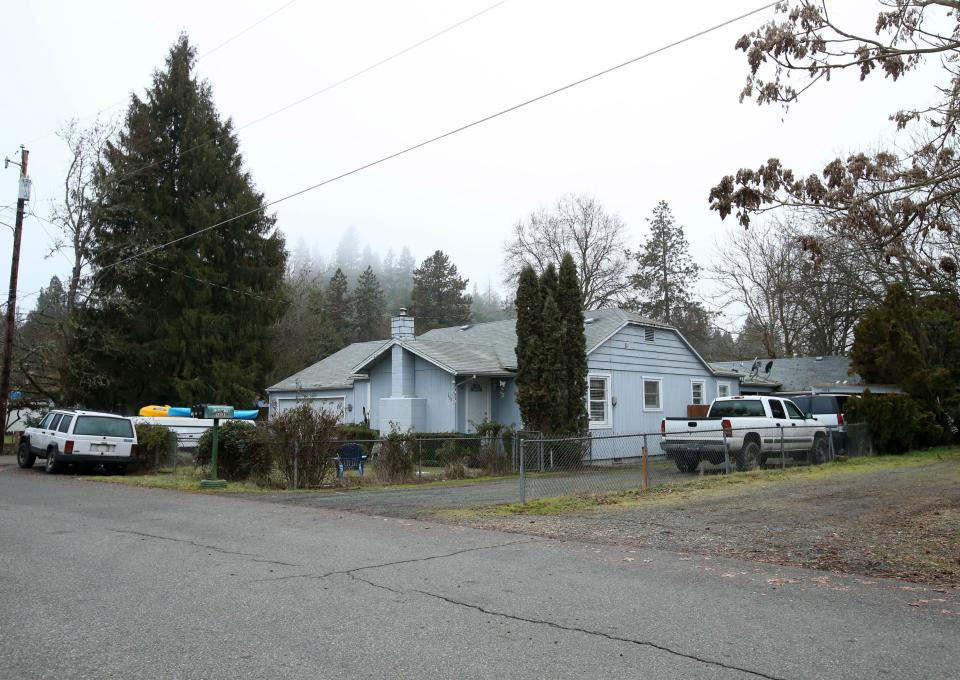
(328, 404)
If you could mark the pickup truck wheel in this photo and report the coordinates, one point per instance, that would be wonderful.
(819, 452)
(686, 462)
(51, 467)
(749, 458)
(25, 458)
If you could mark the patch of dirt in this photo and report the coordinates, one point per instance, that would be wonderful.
(898, 523)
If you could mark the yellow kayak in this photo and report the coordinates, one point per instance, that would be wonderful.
(155, 411)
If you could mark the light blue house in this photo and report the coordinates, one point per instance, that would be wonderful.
(451, 379)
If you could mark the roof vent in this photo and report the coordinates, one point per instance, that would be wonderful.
(466, 326)
(589, 320)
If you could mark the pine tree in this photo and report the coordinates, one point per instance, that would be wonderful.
(573, 344)
(367, 308)
(438, 299)
(665, 272)
(529, 331)
(163, 328)
(336, 304)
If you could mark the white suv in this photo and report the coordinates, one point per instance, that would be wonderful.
(65, 437)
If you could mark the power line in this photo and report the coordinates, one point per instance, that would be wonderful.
(247, 29)
(444, 135)
(215, 285)
(211, 51)
(213, 139)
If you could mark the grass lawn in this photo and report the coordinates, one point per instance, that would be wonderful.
(888, 516)
(705, 486)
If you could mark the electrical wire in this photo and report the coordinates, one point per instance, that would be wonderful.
(246, 30)
(449, 133)
(211, 51)
(213, 139)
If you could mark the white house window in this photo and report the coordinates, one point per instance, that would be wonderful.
(696, 392)
(652, 398)
(648, 334)
(598, 400)
(723, 389)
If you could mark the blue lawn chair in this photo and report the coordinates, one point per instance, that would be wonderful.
(350, 457)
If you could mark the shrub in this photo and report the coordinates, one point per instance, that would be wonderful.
(896, 422)
(455, 470)
(153, 443)
(302, 441)
(394, 464)
(241, 452)
(356, 431)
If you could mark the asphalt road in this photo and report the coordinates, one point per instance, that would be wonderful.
(103, 581)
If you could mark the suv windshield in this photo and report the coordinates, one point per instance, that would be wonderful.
(103, 426)
(737, 407)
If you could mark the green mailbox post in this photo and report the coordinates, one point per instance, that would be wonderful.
(216, 413)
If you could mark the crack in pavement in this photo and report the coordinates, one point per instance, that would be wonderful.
(569, 629)
(352, 574)
(349, 572)
(224, 551)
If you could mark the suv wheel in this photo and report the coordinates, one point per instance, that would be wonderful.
(51, 465)
(25, 458)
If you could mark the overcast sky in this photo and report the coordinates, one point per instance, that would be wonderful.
(666, 128)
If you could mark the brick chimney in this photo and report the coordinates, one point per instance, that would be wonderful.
(401, 326)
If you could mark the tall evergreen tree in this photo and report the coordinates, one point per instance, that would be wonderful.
(553, 390)
(367, 308)
(529, 332)
(549, 282)
(574, 348)
(665, 272)
(336, 304)
(162, 327)
(438, 297)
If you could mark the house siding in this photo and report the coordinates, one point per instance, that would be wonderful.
(628, 358)
(504, 408)
(436, 386)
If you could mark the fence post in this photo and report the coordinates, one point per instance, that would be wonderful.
(783, 460)
(726, 451)
(523, 479)
(540, 452)
(830, 450)
(419, 459)
(643, 451)
(296, 464)
(513, 446)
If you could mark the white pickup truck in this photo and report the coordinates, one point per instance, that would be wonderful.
(749, 430)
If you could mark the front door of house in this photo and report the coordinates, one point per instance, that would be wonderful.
(478, 402)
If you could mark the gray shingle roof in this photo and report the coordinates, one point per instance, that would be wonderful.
(501, 336)
(796, 374)
(334, 371)
(483, 348)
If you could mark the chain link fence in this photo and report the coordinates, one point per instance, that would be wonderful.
(551, 467)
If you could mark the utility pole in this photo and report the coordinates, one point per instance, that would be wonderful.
(22, 197)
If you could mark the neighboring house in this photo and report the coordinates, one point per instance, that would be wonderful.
(451, 379)
(824, 375)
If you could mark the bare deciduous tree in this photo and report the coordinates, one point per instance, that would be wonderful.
(895, 197)
(73, 214)
(579, 225)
